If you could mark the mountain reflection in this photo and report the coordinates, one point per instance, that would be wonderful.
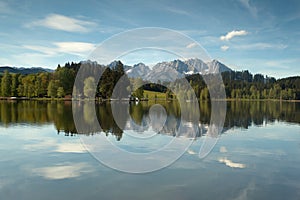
(137, 117)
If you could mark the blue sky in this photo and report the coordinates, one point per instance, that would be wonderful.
(259, 35)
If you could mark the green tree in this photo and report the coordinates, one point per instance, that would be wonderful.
(14, 85)
(45, 79)
(106, 84)
(66, 78)
(38, 87)
(277, 91)
(265, 94)
(52, 89)
(290, 94)
(139, 93)
(6, 84)
(272, 93)
(20, 88)
(233, 93)
(138, 90)
(89, 87)
(253, 92)
(28, 85)
(238, 93)
(60, 92)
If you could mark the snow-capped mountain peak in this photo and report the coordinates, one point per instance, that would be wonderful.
(138, 70)
(169, 71)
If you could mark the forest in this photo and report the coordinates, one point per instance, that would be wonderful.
(244, 85)
(59, 84)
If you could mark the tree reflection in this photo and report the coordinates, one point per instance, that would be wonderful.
(240, 114)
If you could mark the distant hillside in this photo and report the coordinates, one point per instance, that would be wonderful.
(24, 71)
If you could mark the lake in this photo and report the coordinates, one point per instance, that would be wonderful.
(44, 155)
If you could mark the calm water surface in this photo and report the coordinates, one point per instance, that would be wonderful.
(256, 157)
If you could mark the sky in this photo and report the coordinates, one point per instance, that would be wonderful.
(261, 36)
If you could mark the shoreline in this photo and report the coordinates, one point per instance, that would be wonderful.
(111, 100)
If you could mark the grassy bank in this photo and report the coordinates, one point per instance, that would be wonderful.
(150, 95)
(154, 95)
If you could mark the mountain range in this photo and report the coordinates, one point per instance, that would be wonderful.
(168, 71)
(163, 71)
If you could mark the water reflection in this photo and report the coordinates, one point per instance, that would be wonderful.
(240, 114)
(261, 163)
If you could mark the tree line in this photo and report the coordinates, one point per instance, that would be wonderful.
(244, 85)
(60, 83)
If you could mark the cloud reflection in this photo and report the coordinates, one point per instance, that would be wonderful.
(63, 171)
(232, 164)
(70, 148)
(191, 152)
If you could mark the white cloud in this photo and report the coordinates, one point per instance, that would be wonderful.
(231, 164)
(63, 23)
(191, 45)
(43, 49)
(62, 171)
(75, 48)
(251, 8)
(233, 34)
(224, 48)
(261, 46)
